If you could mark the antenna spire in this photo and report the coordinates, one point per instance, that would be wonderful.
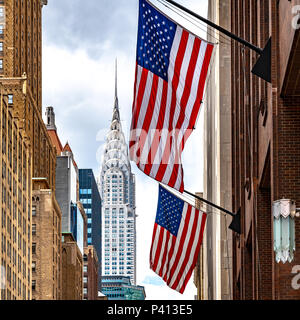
(116, 115)
(116, 79)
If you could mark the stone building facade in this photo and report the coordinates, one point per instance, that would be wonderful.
(216, 249)
(15, 188)
(21, 83)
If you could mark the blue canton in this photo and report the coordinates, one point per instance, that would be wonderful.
(155, 38)
(169, 211)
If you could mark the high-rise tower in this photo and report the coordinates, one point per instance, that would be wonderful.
(30, 266)
(117, 187)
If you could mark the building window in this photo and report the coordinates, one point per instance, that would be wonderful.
(10, 98)
(33, 266)
(33, 284)
(1, 28)
(1, 46)
(1, 64)
(33, 211)
(34, 229)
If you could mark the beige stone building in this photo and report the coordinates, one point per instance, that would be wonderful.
(26, 141)
(217, 244)
(15, 189)
(199, 270)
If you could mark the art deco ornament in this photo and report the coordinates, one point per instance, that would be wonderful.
(284, 212)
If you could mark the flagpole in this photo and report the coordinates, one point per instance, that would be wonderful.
(262, 68)
(215, 26)
(210, 203)
(235, 224)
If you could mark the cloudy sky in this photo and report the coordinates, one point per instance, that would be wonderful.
(81, 40)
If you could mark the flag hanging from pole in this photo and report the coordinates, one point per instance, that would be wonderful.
(176, 240)
(171, 70)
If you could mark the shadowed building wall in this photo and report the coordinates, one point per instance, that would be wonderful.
(265, 150)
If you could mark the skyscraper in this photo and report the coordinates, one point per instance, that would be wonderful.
(91, 201)
(117, 185)
(28, 158)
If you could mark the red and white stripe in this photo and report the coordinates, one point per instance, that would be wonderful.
(174, 258)
(174, 105)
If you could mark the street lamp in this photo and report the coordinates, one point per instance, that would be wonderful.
(284, 213)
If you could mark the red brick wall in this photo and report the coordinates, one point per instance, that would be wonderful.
(265, 152)
(289, 183)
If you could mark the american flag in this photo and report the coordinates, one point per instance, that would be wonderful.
(171, 69)
(176, 240)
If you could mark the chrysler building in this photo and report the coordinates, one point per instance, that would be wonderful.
(117, 188)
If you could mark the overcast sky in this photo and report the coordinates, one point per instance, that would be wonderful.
(81, 40)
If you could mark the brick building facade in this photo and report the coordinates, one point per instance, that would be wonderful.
(72, 269)
(46, 244)
(265, 145)
(90, 273)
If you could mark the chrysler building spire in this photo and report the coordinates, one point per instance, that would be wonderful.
(116, 113)
(117, 185)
